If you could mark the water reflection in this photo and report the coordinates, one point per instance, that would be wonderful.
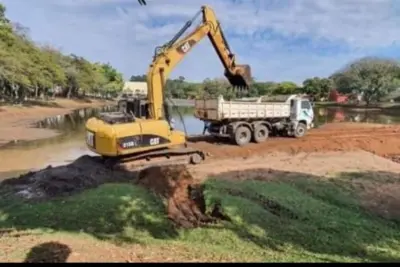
(72, 126)
(339, 114)
(74, 121)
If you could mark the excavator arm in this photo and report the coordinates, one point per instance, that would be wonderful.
(169, 55)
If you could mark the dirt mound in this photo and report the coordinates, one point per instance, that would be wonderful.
(84, 173)
(379, 139)
(186, 205)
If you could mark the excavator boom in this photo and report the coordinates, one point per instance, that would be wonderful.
(170, 54)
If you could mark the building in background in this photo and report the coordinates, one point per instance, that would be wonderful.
(135, 88)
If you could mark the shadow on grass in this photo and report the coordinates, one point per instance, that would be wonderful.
(295, 215)
(316, 214)
(53, 252)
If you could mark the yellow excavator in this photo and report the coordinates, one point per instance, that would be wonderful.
(122, 136)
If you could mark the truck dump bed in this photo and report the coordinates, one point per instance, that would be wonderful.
(218, 109)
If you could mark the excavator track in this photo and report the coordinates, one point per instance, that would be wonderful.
(168, 156)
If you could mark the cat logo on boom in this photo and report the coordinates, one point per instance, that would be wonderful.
(186, 46)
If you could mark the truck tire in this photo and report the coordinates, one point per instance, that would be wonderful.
(300, 130)
(260, 133)
(242, 135)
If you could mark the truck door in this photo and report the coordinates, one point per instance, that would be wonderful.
(307, 112)
(293, 109)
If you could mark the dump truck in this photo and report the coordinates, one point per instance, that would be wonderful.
(246, 120)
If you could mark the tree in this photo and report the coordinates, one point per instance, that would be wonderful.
(28, 70)
(317, 87)
(138, 78)
(285, 88)
(374, 78)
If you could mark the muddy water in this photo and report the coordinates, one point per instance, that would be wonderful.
(22, 157)
(338, 114)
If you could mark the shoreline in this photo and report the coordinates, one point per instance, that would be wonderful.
(384, 106)
(16, 121)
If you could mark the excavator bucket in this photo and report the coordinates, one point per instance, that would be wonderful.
(242, 78)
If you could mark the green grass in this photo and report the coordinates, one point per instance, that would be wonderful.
(305, 220)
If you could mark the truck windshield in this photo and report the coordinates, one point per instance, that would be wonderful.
(305, 104)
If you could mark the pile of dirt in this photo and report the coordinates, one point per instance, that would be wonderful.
(379, 139)
(84, 173)
(186, 206)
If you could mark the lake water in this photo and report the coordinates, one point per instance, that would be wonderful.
(70, 143)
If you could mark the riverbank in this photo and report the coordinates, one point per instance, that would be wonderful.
(384, 106)
(16, 121)
(270, 206)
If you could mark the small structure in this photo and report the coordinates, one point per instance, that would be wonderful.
(136, 88)
(335, 96)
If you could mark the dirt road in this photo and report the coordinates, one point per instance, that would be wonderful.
(15, 121)
(379, 139)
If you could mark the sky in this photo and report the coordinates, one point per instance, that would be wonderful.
(282, 40)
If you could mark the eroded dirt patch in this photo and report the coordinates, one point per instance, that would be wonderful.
(186, 205)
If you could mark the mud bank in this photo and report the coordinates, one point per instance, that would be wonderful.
(16, 121)
(186, 206)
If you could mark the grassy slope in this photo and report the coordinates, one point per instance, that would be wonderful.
(323, 223)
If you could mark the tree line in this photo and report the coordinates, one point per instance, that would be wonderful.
(28, 70)
(373, 78)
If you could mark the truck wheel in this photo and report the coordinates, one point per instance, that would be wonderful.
(242, 135)
(260, 133)
(300, 130)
